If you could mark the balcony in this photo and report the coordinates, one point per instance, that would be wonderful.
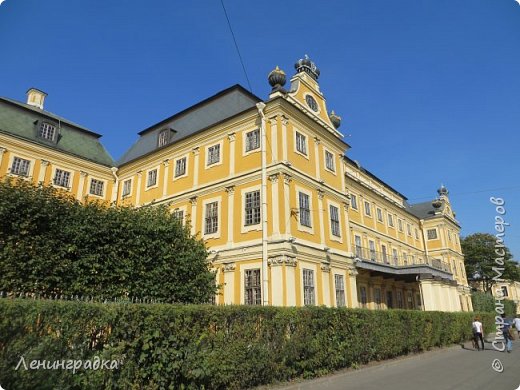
(394, 264)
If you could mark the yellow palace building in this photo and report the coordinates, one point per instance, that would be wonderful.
(288, 218)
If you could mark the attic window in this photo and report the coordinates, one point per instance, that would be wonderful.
(164, 137)
(47, 131)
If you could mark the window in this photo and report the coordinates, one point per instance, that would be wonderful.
(339, 281)
(308, 287)
(214, 154)
(252, 211)
(400, 224)
(432, 234)
(416, 234)
(334, 221)
(377, 297)
(405, 258)
(409, 298)
(390, 220)
(449, 236)
(385, 256)
(96, 187)
(164, 137)
(180, 167)
(363, 296)
(400, 303)
(372, 247)
(127, 187)
(20, 167)
(413, 259)
(301, 143)
(379, 213)
(61, 178)
(252, 140)
(353, 201)
(389, 300)
(357, 240)
(47, 131)
(252, 286)
(152, 178)
(408, 229)
(305, 211)
(368, 210)
(211, 218)
(311, 102)
(504, 291)
(329, 160)
(178, 215)
(395, 257)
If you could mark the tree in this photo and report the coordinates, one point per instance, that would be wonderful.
(52, 244)
(480, 252)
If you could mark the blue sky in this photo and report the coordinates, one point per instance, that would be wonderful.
(429, 90)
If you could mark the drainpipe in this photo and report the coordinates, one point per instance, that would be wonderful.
(421, 224)
(115, 190)
(263, 195)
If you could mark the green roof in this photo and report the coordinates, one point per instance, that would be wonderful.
(21, 120)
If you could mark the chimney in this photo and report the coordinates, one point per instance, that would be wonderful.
(35, 98)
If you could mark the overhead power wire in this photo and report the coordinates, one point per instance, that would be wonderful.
(236, 46)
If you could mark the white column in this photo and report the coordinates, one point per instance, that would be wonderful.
(229, 290)
(166, 176)
(277, 285)
(2, 151)
(347, 228)
(317, 158)
(325, 282)
(352, 287)
(82, 177)
(290, 280)
(275, 206)
(274, 138)
(285, 122)
(287, 214)
(43, 171)
(321, 194)
(231, 137)
(196, 166)
(193, 215)
(138, 188)
(231, 209)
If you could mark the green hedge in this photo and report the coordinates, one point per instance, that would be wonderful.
(483, 302)
(206, 347)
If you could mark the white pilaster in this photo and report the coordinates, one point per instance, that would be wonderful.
(231, 137)
(274, 138)
(321, 194)
(193, 215)
(138, 188)
(275, 206)
(196, 152)
(43, 171)
(287, 203)
(166, 176)
(285, 122)
(231, 209)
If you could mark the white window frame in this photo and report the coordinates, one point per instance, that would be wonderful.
(379, 215)
(243, 227)
(340, 277)
(326, 153)
(368, 211)
(258, 287)
(245, 150)
(123, 184)
(149, 187)
(372, 252)
(41, 131)
(181, 209)
(313, 274)
(304, 228)
(306, 143)
(163, 138)
(400, 225)
(102, 196)
(391, 221)
(247, 267)
(53, 176)
(428, 234)
(221, 154)
(332, 236)
(353, 202)
(29, 170)
(408, 229)
(185, 174)
(205, 203)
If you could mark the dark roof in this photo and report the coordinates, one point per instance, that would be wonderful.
(215, 109)
(19, 120)
(422, 210)
(355, 163)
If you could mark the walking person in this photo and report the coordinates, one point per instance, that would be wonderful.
(478, 330)
(516, 323)
(507, 334)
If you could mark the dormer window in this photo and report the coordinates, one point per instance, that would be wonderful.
(164, 138)
(47, 131)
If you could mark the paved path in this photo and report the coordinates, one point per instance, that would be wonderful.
(450, 368)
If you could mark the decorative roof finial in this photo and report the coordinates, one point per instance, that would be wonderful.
(335, 119)
(443, 191)
(276, 78)
(306, 65)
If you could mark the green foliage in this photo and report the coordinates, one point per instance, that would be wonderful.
(479, 257)
(208, 347)
(52, 244)
(485, 302)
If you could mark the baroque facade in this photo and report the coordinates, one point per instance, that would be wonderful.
(288, 217)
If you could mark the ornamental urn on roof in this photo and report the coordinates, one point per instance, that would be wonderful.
(306, 65)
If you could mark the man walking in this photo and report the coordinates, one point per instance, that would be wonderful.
(516, 323)
(477, 332)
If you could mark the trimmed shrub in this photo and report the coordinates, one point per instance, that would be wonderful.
(484, 302)
(206, 347)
